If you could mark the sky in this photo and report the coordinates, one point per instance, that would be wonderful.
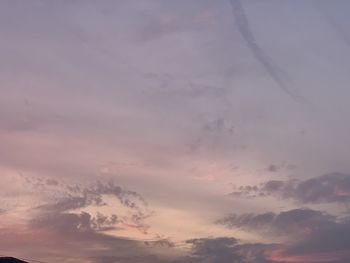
(162, 131)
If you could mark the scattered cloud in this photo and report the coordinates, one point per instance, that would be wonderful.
(289, 223)
(329, 188)
(72, 207)
(225, 250)
(310, 236)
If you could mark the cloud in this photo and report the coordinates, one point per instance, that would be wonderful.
(273, 168)
(70, 223)
(312, 236)
(329, 188)
(330, 244)
(74, 225)
(60, 239)
(132, 259)
(289, 223)
(275, 73)
(69, 208)
(161, 243)
(227, 249)
(84, 238)
(328, 239)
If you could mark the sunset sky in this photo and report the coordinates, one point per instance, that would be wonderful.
(175, 131)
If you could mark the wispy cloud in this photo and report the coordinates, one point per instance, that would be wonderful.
(276, 74)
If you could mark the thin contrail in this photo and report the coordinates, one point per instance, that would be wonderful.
(274, 72)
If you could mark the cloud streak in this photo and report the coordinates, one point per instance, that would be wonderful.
(275, 73)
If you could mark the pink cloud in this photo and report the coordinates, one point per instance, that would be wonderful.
(279, 255)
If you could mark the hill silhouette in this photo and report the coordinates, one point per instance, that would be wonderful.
(11, 260)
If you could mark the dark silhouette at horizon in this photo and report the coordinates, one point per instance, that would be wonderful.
(11, 260)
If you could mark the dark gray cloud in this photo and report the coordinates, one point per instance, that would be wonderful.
(329, 188)
(65, 223)
(273, 168)
(70, 223)
(132, 258)
(288, 223)
(334, 239)
(73, 238)
(313, 236)
(160, 243)
(307, 231)
(83, 234)
(222, 249)
(80, 197)
(227, 250)
(330, 244)
(333, 187)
